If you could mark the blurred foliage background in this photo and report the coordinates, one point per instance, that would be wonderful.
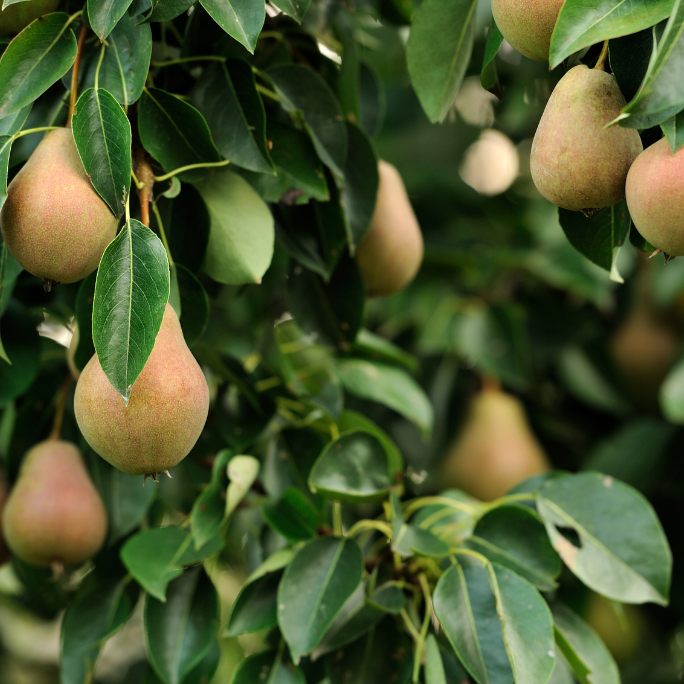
(501, 294)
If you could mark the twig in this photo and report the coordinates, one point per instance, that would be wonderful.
(74, 74)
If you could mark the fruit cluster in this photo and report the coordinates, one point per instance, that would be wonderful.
(581, 159)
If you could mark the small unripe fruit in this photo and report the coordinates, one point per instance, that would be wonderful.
(528, 24)
(390, 253)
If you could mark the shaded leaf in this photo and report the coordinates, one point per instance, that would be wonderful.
(103, 15)
(240, 19)
(271, 667)
(292, 515)
(489, 78)
(293, 8)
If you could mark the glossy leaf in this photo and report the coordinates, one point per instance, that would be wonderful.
(437, 59)
(165, 10)
(588, 656)
(608, 516)
(103, 138)
(5, 149)
(389, 598)
(13, 123)
(209, 509)
(158, 555)
(131, 292)
(175, 133)
(103, 15)
(489, 78)
(181, 631)
(434, 667)
(256, 606)
(96, 613)
(514, 537)
(598, 238)
(303, 91)
(226, 95)
(240, 19)
(292, 516)
(353, 468)
(582, 23)
(674, 131)
(34, 60)
(242, 235)
(315, 586)
(387, 385)
(410, 540)
(661, 95)
(293, 8)
(629, 59)
(270, 667)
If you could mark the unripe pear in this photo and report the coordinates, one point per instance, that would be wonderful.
(577, 163)
(495, 450)
(165, 414)
(54, 514)
(19, 15)
(54, 223)
(390, 253)
(655, 197)
(528, 24)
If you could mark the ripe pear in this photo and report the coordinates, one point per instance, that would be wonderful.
(655, 197)
(390, 253)
(54, 514)
(4, 491)
(19, 15)
(495, 450)
(576, 162)
(528, 24)
(166, 412)
(53, 221)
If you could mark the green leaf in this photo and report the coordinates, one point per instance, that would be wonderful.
(22, 348)
(256, 606)
(158, 555)
(103, 138)
(226, 95)
(661, 95)
(674, 131)
(598, 238)
(293, 8)
(175, 134)
(437, 59)
(242, 234)
(240, 19)
(315, 586)
(361, 181)
(489, 78)
(270, 667)
(131, 292)
(514, 537)
(209, 509)
(194, 303)
(84, 321)
(103, 15)
(412, 540)
(608, 516)
(434, 668)
(13, 123)
(5, 149)
(629, 60)
(505, 634)
(96, 613)
(381, 349)
(181, 631)
(672, 395)
(582, 23)
(353, 468)
(34, 60)
(165, 10)
(242, 472)
(588, 656)
(389, 598)
(126, 501)
(204, 671)
(292, 516)
(387, 385)
(302, 90)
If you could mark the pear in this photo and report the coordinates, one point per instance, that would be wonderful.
(53, 221)
(577, 163)
(19, 15)
(166, 411)
(495, 450)
(528, 24)
(4, 491)
(54, 514)
(390, 253)
(655, 197)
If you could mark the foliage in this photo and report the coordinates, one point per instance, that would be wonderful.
(316, 479)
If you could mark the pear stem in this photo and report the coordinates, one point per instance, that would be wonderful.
(175, 172)
(603, 57)
(40, 129)
(145, 176)
(74, 74)
(56, 432)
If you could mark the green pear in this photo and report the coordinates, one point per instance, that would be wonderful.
(165, 414)
(54, 223)
(577, 163)
(495, 449)
(655, 197)
(54, 514)
(390, 253)
(19, 15)
(528, 24)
